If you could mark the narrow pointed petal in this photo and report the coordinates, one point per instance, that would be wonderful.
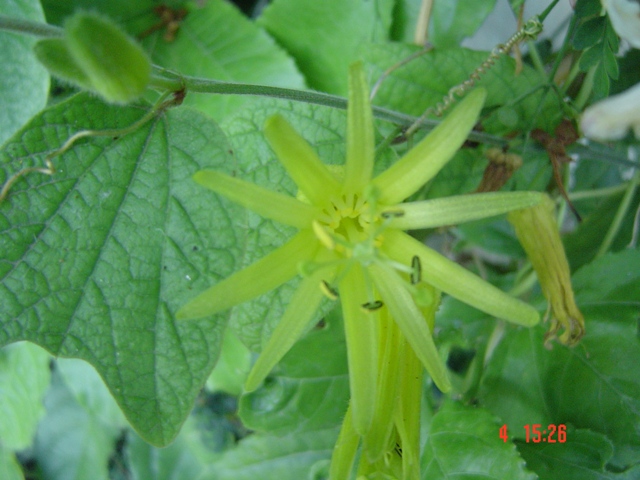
(267, 203)
(407, 415)
(412, 324)
(312, 177)
(376, 443)
(426, 159)
(266, 274)
(344, 453)
(360, 135)
(461, 208)
(458, 282)
(360, 330)
(294, 323)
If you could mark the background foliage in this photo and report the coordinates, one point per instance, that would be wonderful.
(95, 260)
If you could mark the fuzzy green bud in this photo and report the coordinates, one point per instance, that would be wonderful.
(95, 54)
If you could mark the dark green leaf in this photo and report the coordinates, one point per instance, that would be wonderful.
(589, 33)
(590, 58)
(100, 255)
(587, 8)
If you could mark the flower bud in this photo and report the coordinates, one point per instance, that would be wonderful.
(96, 55)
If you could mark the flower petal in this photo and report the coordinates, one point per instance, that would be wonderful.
(413, 325)
(294, 323)
(458, 282)
(266, 274)
(267, 203)
(377, 441)
(360, 136)
(344, 453)
(312, 177)
(362, 348)
(459, 209)
(426, 159)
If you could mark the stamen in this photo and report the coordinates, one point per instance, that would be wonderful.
(388, 214)
(328, 290)
(416, 270)
(323, 235)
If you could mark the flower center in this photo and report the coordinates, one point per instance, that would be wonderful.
(348, 226)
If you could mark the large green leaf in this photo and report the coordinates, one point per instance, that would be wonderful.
(325, 37)
(96, 258)
(24, 83)
(595, 385)
(463, 442)
(24, 378)
(216, 41)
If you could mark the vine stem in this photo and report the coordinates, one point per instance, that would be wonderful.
(619, 216)
(166, 80)
(29, 27)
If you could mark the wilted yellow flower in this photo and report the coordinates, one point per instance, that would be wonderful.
(538, 233)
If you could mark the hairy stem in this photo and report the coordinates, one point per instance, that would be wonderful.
(29, 27)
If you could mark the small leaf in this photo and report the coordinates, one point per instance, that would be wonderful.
(589, 33)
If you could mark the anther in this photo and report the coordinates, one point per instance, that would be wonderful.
(328, 290)
(416, 270)
(372, 306)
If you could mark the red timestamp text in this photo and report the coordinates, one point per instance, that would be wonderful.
(537, 434)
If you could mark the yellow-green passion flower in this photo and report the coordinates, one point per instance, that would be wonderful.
(351, 245)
